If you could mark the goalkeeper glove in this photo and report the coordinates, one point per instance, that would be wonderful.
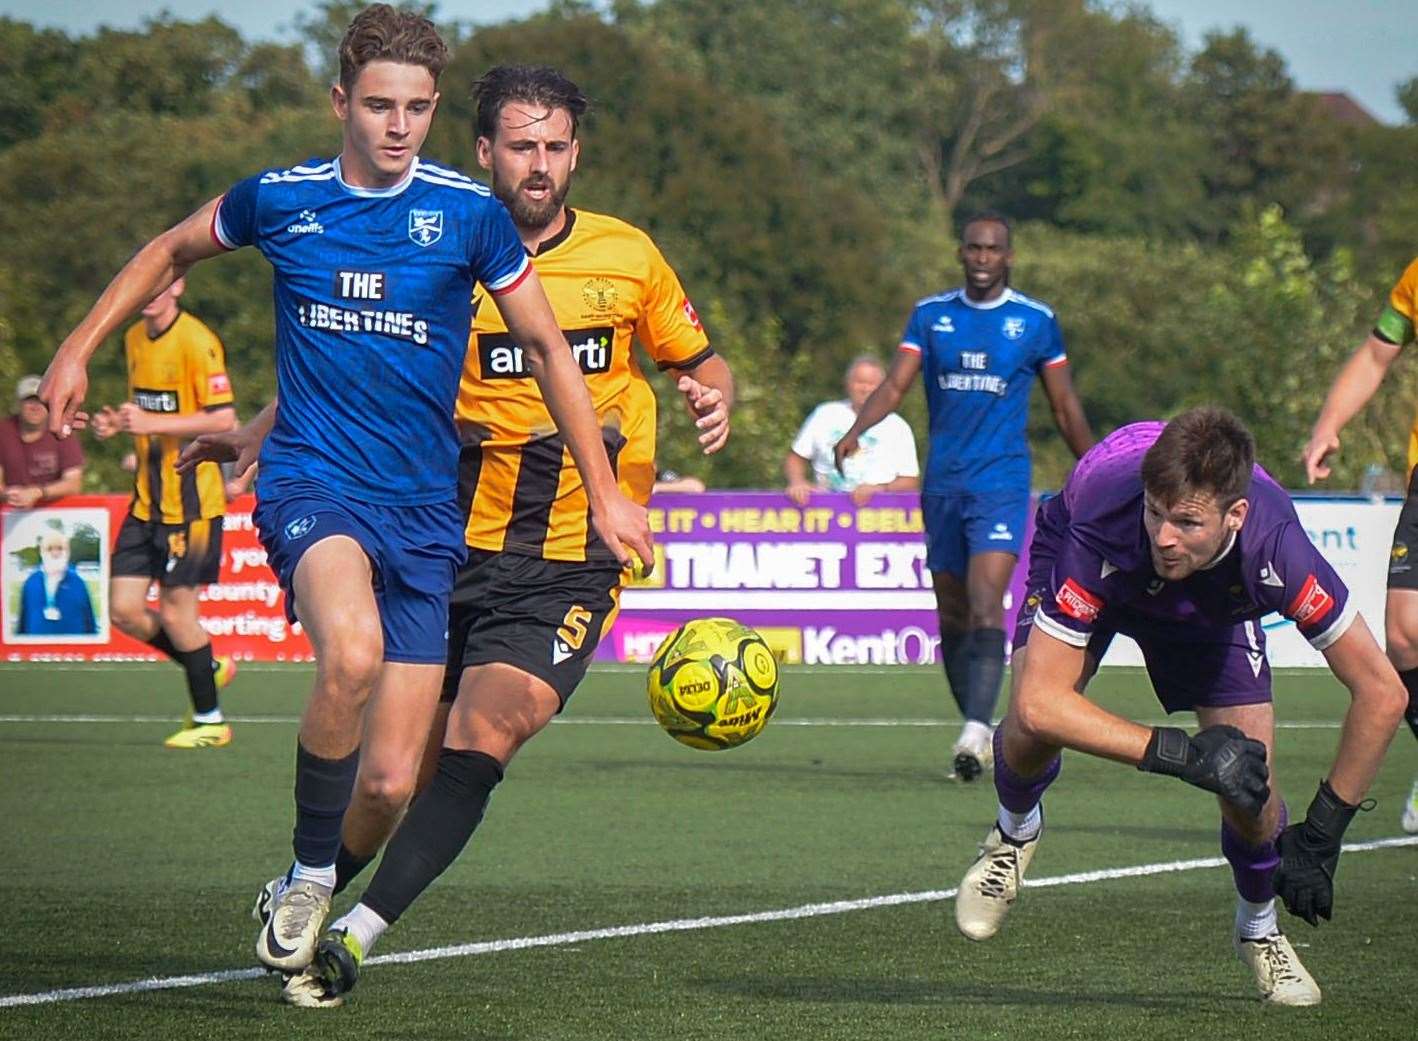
(1309, 855)
(1220, 759)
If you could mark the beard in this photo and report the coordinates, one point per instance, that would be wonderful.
(525, 212)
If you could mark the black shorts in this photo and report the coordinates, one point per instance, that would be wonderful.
(545, 617)
(172, 554)
(1403, 557)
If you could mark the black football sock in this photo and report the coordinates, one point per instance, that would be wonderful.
(348, 867)
(201, 677)
(433, 833)
(986, 674)
(1410, 680)
(162, 644)
(322, 793)
(955, 653)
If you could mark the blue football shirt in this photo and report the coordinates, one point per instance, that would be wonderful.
(978, 363)
(373, 297)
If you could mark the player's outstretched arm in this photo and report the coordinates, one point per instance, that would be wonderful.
(1309, 850)
(241, 446)
(708, 391)
(1048, 705)
(882, 403)
(155, 267)
(1350, 392)
(1067, 408)
(623, 525)
(1049, 708)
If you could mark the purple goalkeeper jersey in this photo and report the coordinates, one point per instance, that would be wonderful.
(1100, 578)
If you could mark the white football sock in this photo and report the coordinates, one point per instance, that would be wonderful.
(1021, 826)
(324, 876)
(364, 924)
(205, 719)
(975, 734)
(1255, 921)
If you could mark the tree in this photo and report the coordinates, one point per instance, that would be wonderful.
(1120, 158)
(1267, 143)
(832, 74)
(989, 72)
(711, 176)
(36, 67)
(1407, 94)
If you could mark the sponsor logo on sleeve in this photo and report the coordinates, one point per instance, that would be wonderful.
(1078, 603)
(690, 314)
(1312, 604)
(217, 383)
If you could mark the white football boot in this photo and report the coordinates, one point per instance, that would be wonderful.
(1409, 820)
(992, 883)
(297, 912)
(1280, 977)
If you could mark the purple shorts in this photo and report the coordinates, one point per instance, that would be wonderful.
(1190, 666)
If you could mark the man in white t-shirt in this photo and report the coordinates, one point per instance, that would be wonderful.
(886, 461)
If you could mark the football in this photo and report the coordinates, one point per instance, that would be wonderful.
(713, 684)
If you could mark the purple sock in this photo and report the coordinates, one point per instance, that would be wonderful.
(1253, 866)
(1019, 794)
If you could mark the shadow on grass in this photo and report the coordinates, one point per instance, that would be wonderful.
(856, 990)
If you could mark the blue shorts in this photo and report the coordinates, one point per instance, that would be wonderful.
(415, 552)
(962, 524)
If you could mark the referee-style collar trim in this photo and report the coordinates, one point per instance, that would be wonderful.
(988, 305)
(547, 245)
(375, 193)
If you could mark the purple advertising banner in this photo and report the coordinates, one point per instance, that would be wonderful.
(829, 583)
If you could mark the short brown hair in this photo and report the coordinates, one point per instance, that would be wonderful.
(1203, 451)
(531, 84)
(384, 33)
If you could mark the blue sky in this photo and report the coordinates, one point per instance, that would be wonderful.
(1362, 46)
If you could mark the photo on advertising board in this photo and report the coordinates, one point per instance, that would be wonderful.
(55, 576)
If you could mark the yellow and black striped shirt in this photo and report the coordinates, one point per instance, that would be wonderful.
(607, 283)
(180, 372)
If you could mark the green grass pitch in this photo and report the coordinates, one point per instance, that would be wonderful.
(123, 861)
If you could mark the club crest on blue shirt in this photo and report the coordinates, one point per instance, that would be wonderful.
(1014, 328)
(425, 226)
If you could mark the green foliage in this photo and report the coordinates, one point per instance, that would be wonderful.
(1301, 319)
(1266, 143)
(799, 163)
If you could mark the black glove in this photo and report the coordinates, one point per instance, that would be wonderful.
(1309, 854)
(1220, 759)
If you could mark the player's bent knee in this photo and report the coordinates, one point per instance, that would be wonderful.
(388, 790)
(352, 665)
(128, 619)
(1029, 720)
(1400, 644)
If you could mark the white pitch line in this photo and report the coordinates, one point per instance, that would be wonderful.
(676, 925)
(595, 721)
